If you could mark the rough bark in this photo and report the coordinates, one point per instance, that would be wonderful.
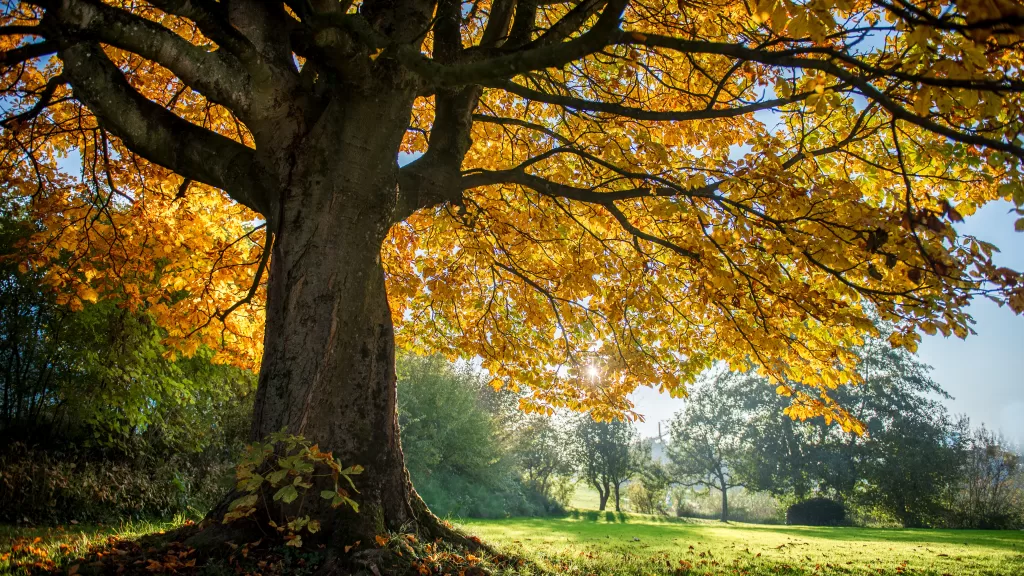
(328, 369)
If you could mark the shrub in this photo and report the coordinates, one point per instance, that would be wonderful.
(816, 512)
(53, 487)
(459, 452)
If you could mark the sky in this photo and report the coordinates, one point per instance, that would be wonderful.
(984, 373)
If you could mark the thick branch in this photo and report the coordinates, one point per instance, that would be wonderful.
(605, 199)
(160, 136)
(213, 23)
(554, 189)
(27, 52)
(516, 62)
(217, 78)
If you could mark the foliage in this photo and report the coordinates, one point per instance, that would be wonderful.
(100, 376)
(466, 450)
(97, 422)
(648, 488)
(604, 452)
(991, 493)
(46, 486)
(816, 512)
(707, 439)
(284, 468)
(685, 225)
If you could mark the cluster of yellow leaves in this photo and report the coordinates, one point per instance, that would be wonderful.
(786, 232)
(113, 225)
(812, 229)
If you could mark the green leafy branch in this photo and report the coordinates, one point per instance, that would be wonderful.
(287, 466)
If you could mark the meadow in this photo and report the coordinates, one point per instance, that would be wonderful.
(606, 543)
(591, 543)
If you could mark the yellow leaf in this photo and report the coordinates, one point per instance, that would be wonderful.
(87, 294)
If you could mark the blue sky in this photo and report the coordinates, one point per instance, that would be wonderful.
(984, 374)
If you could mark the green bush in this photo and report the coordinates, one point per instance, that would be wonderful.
(50, 487)
(816, 512)
(457, 442)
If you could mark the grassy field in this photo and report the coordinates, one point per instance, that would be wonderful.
(586, 498)
(638, 545)
(589, 543)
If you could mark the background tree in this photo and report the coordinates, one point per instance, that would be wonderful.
(591, 178)
(471, 452)
(707, 444)
(604, 452)
(543, 452)
(991, 493)
(906, 463)
(650, 483)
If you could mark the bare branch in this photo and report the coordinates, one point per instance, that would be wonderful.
(641, 113)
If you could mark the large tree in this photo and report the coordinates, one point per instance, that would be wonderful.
(641, 185)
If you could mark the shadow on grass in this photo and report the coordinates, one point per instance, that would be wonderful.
(1005, 539)
(622, 517)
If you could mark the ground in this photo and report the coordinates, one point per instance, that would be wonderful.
(591, 543)
(634, 544)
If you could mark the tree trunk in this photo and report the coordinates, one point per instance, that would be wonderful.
(602, 495)
(328, 369)
(725, 504)
(617, 507)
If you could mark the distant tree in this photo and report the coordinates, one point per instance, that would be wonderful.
(783, 451)
(707, 444)
(604, 455)
(448, 435)
(991, 494)
(904, 465)
(911, 466)
(464, 442)
(540, 446)
(650, 481)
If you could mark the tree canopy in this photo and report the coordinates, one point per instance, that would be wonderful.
(635, 185)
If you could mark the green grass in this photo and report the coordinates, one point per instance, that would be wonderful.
(638, 545)
(586, 498)
(599, 544)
